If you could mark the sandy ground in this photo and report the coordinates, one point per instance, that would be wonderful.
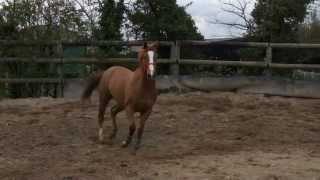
(216, 136)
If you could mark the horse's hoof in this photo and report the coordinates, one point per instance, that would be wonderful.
(124, 144)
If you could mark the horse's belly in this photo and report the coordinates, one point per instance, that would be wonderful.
(117, 84)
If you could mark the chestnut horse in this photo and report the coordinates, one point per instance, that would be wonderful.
(133, 91)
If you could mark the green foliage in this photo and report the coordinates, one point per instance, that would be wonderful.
(41, 20)
(37, 20)
(278, 20)
(281, 21)
(161, 20)
(310, 32)
(111, 20)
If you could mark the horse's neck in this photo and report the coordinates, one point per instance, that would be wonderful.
(143, 82)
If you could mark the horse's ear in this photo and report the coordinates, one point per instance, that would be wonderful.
(155, 45)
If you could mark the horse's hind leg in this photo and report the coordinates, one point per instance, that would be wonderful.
(143, 117)
(104, 100)
(132, 127)
(114, 111)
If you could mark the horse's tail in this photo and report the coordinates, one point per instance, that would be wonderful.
(92, 84)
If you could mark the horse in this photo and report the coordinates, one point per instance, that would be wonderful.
(133, 91)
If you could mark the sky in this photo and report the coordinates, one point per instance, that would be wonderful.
(204, 11)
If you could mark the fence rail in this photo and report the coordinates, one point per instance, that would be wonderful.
(76, 60)
(29, 80)
(175, 60)
(252, 44)
(77, 43)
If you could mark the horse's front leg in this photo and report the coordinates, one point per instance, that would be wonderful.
(132, 127)
(143, 118)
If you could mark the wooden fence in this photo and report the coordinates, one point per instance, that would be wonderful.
(174, 60)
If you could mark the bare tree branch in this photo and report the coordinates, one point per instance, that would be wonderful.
(239, 9)
(83, 9)
(89, 8)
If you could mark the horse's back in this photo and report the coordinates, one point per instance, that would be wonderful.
(115, 80)
(115, 71)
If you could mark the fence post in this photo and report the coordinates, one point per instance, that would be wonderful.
(175, 57)
(268, 61)
(60, 70)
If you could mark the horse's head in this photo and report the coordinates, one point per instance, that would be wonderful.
(147, 58)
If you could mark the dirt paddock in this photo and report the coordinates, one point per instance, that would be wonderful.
(216, 136)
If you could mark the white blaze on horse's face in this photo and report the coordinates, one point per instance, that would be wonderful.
(151, 63)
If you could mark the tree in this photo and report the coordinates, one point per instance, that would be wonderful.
(36, 20)
(111, 20)
(278, 20)
(161, 20)
(310, 32)
(91, 10)
(240, 9)
(269, 21)
(41, 19)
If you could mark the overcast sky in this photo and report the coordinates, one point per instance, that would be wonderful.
(204, 11)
